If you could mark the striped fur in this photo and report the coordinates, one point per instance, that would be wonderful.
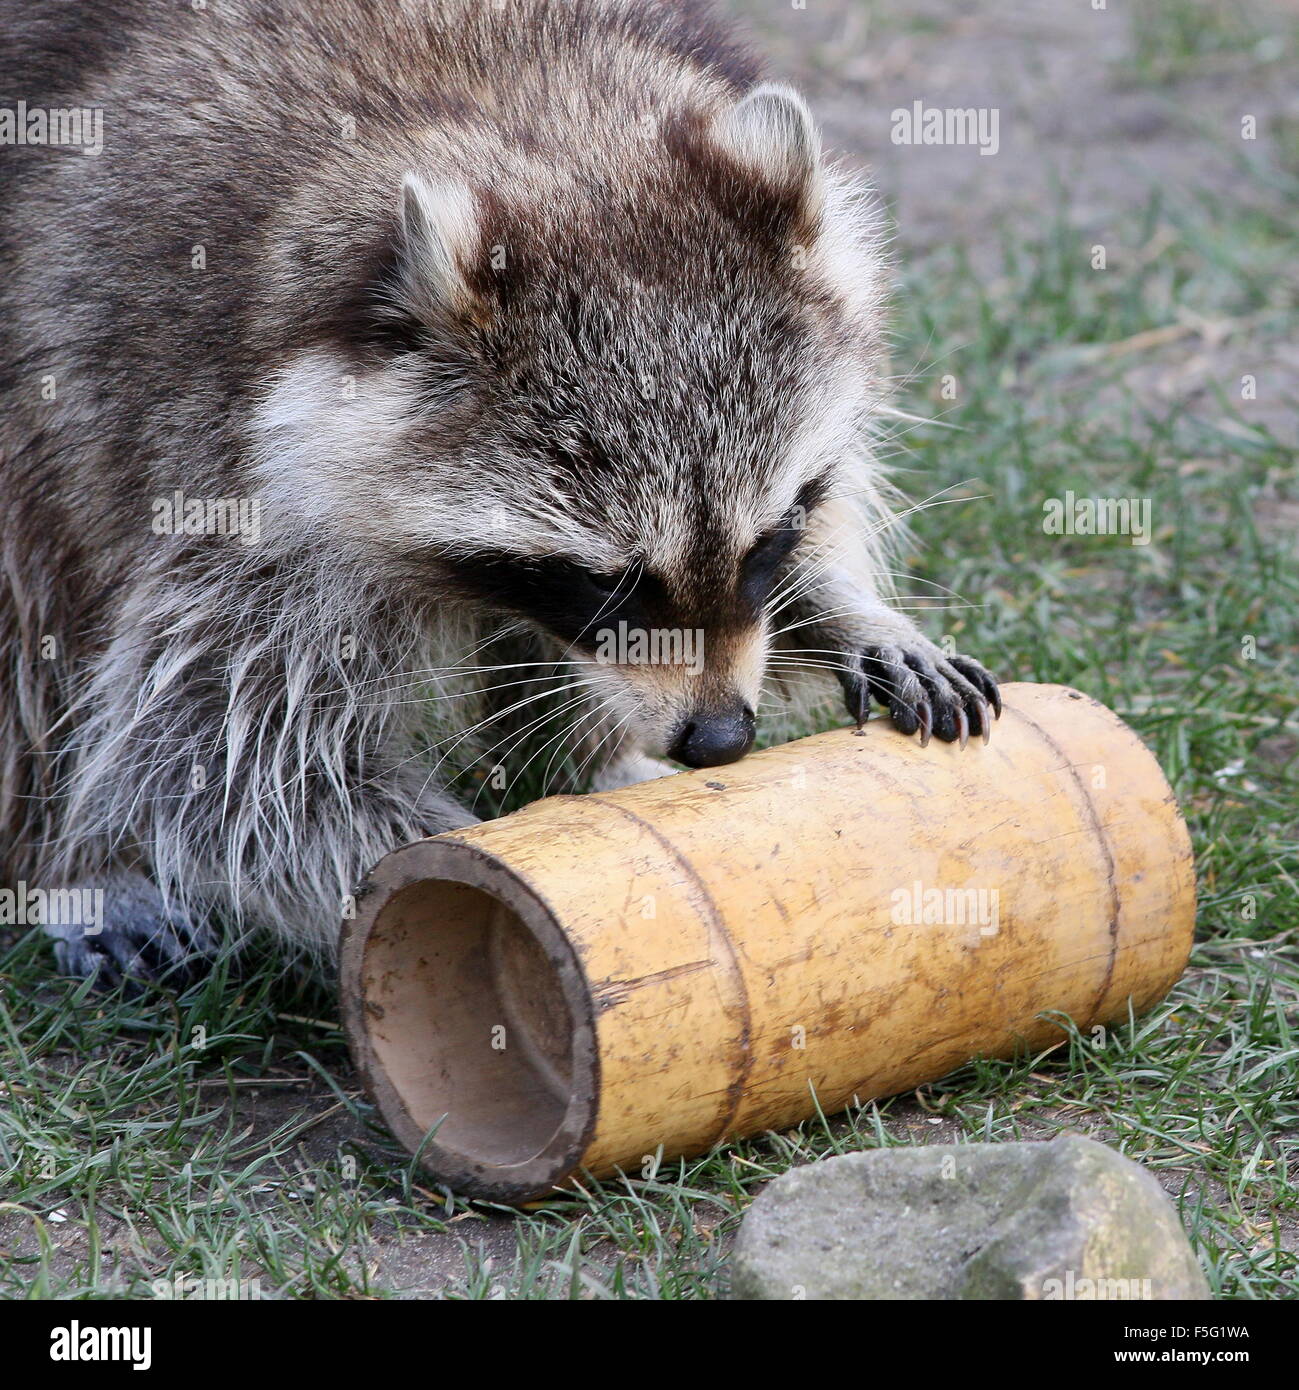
(455, 291)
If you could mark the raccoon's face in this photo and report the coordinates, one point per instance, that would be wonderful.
(615, 412)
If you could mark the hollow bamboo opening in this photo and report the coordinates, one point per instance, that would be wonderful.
(473, 1011)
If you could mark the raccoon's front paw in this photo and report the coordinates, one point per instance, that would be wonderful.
(138, 941)
(926, 691)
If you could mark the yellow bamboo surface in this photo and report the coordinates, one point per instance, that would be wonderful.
(600, 979)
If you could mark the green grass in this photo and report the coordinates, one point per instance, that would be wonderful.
(130, 1153)
(1053, 400)
(1184, 38)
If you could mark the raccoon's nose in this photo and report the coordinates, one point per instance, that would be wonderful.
(719, 736)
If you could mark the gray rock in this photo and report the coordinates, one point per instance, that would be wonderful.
(1069, 1219)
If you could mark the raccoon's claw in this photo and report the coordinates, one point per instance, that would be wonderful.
(934, 696)
(983, 680)
(926, 714)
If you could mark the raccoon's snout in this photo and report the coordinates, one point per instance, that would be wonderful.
(713, 737)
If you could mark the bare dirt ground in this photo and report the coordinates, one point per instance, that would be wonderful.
(1090, 114)
(1074, 108)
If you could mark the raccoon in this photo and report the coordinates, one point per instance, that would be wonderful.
(377, 342)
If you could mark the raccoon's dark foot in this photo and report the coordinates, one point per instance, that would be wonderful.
(950, 697)
(135, 938)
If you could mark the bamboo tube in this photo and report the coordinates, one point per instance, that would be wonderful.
(596, 979)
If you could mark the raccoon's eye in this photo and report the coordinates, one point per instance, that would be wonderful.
(620, 585)
(769, 551)
(763, 562)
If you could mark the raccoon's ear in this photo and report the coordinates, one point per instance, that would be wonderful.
(771, 131)
(440, 234)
